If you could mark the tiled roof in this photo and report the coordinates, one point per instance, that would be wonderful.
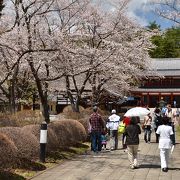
(166, 66)
(163, 90)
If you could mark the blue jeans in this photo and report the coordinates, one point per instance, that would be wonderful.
(96, 141)
(147, 134)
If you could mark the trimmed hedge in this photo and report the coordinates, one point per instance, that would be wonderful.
(8, 152)
(20, 144)
(52, 140)
(68, 132)
(26, 143)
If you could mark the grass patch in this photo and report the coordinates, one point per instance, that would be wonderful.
(25, 173)
(5, 175)
(29, 169)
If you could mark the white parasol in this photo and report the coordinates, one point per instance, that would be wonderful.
(137, 111)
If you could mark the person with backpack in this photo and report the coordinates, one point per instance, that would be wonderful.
(157, 121)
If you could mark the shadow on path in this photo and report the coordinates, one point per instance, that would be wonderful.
(150, 166)
(174, 169)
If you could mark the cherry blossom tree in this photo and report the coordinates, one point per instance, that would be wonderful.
(117, 50)
(36, 36)
(76, 41)
(169, 9)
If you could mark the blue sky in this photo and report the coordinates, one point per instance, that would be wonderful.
(140, 11)
(143, 14)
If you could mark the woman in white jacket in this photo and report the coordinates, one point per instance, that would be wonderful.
(165, 132)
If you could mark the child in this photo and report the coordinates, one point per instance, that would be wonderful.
(104, 140)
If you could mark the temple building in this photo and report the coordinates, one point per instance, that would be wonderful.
(163, 85)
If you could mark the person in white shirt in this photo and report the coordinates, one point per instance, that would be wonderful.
(112, 125)
(165, 143)
(172, 115)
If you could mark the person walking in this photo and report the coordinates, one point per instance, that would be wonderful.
(97, 127)
(162, 103)
(104, 140)
(165, 143)
(126, 121)
(147, 128)
(132, 140)
(157, 121)
(112, 125)
(172, 115)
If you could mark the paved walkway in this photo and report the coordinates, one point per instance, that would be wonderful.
(114, 165)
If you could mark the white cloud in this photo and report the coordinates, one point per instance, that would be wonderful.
(134, 6)
(140, 11)
(138, 6)
(140, 20)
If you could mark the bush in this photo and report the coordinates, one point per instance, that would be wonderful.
(20, 118)
(68, 109)
(5, 120)
(52, 140)
(26, 143)
(85, 123)
(32, 129)
(69, 114)
(26, 117)
(8, 152)
(89, 111)
(68, 132)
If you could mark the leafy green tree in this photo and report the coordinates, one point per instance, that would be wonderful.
(167, 44)
(153, 25)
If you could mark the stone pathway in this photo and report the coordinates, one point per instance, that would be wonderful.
(114, 165)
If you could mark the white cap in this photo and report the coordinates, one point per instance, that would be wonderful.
(113, 111)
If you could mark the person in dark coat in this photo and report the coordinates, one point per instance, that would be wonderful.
(132, 140)
(157, 121)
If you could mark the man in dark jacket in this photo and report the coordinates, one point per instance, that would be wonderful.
(97, 127)
(132, 140)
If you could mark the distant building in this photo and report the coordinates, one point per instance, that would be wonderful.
(166, 86)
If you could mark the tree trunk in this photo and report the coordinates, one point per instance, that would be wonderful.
(42, 95)
(44, 101)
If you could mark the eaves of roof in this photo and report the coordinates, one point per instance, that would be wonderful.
(153, 90)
